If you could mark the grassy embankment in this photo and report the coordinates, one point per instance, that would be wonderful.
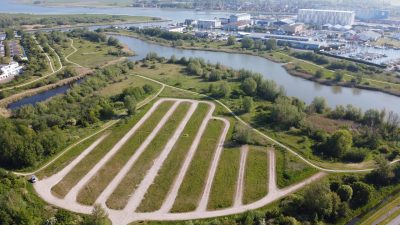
(137, 172)
(256, 175)
(72, 178)
(159, 189)
(193, 184)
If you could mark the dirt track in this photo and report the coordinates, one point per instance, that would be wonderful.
(128, 214)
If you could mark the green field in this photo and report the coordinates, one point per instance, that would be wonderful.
(192, 187)
(224, 185)
(103, 177)
(171, 167)
(120, 196)
(256, 176)
(290, 169)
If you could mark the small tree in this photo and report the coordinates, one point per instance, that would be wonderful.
(319, 73)
(318, 105)
(362, 193)
(271, 44)
(241, 134)
(130, 104)
(247, 42)
(249, 86)
(339, 75)
(98, 216)
(247, 104)
(231, 40)
(345, 192)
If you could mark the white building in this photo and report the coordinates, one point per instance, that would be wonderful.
(320, 17)
(239, 17)
(10, 70)
(208, 24)
(369, 36)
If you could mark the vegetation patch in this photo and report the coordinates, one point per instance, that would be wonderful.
(256, 175)
(120, 196)
(225, 181)
(193, 185)
(290, 169)
(171, 167)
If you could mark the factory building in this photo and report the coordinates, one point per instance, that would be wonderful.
(320, 17)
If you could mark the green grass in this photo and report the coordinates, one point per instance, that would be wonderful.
(256, 176)
(192, 187)
(159, 189)
(224, 185)
(91, 54)
(73, 177)
(120, 196)
(130, 81)
(290, 169)
(99, 182)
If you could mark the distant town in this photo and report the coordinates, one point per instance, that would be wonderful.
(367, 36)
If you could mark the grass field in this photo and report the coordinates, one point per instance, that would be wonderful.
(256, 176)
(72, 178)
(291, 169)
(192, 187)
(165, 179)
(103, 177)
(121, 194)
(224, 185)
(91, 54)
(130, 81)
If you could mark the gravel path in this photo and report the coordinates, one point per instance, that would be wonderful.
(128, 215)
(202, 206)
(173, 193)
(138, 195)
(125, 169)
(72, 195)
(240, 181)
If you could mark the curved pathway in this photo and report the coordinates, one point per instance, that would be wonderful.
(268, 137)
(128, 214)
(73, 52)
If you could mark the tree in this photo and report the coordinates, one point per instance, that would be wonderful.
(362, 193)
(319, 73)
(340, 142)
(318, 105)
(247, 104)
(249, 86)
(268, 90)
(98, 216)
(271, 44)
(241, 134)
(247, 42)
(130, 104)
(231, 40)
(284, 114)
(9, 34)
(318, 199)
(383, 174)
(345, 192)
(339, 75)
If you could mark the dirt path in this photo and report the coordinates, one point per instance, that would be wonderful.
(102, 199)
(202, 206)
(140, 192)
(73, 193)
(128, 215)
(74, 51)
(240, 180)
(173, 193)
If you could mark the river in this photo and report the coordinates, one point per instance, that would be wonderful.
(294, 86)
(298, 87)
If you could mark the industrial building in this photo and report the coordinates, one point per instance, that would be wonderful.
(208, 24)
(320, 17)
(239, 17)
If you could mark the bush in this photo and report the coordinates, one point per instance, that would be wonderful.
(355, 155)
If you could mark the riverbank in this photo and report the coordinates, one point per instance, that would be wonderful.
(291, 70)
(283, 59)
